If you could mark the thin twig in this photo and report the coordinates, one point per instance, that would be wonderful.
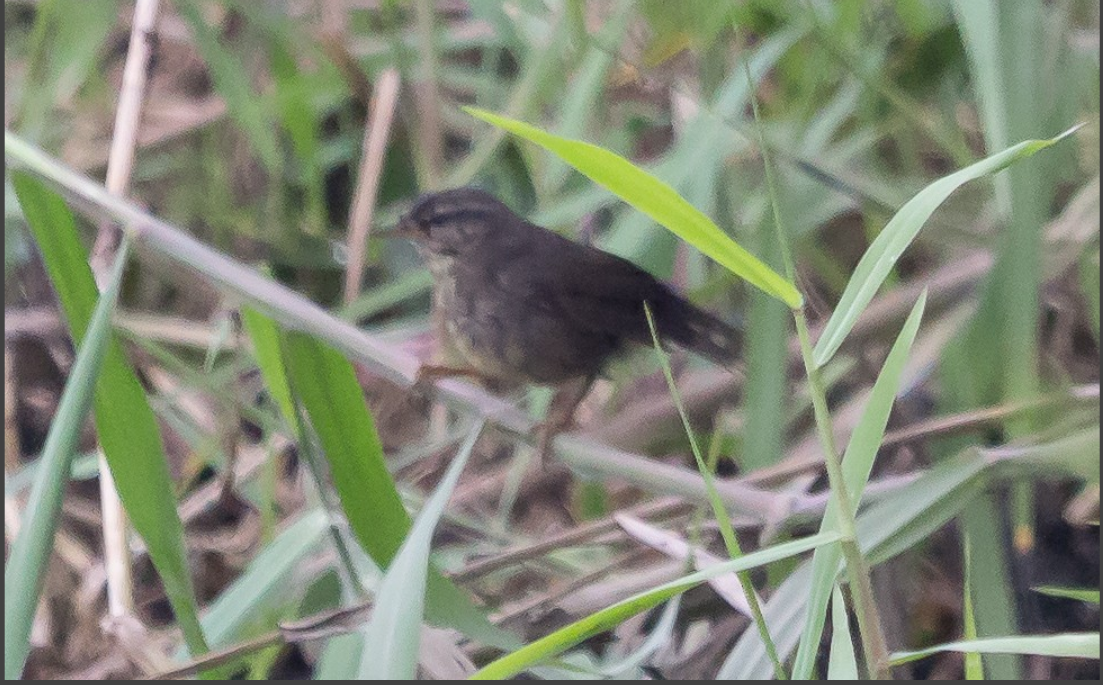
(546, 600)
(220, 657)
(120, 163)
(124, 138)
(376, 133)
(586, 532)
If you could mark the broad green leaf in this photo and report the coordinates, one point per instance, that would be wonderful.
(551, 645)
(841, 664)
(879, 259)
(392, 636)
(326, 384)
(856, 466)
(30, 552)
(657, 200)
(327, 387)
(1083, 645)
(127, 428)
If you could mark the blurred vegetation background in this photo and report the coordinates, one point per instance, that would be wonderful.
(256, 139)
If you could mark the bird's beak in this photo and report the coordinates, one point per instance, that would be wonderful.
(404, 229)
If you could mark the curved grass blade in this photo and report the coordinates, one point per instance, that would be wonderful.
(1083, 645)
(392, 637)
(657, 200)
(884, 530)
(841, 664)
(856, 466)
(901, 230)
(127, 428)
(661, 636)
(30, 552)
(608, 618)
(723, 519)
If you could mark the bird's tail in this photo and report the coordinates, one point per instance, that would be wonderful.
(698, 331)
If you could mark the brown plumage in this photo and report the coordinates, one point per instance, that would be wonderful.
(521, 303)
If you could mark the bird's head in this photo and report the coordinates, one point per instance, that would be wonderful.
(452, 222)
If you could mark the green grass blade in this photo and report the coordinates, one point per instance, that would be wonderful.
(67, 43)
(261, 585)
(231, 80)
(657, 200)
(766, 392)
(583, 103)
(992, 589)
(1083, 595)
(723, 519)
(265, 336)
(327, 387)
(856, 467)
(841, 664)
(884, 530)
(127, 428)
(1089, 281)
(974, 666)
(30, 552)
(866, 438)
(879, 259)
(410, 284)
(392, 636)
(1083, 645)
(661, 636)
(326, 384)
(607, 619)
(978, 21)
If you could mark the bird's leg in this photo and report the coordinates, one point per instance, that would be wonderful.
(559, 415)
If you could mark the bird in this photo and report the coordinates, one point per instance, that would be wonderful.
(520, 304)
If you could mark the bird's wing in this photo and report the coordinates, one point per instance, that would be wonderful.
(601, 292)
(605, 293)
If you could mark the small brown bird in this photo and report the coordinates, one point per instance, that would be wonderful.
(520, 303)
